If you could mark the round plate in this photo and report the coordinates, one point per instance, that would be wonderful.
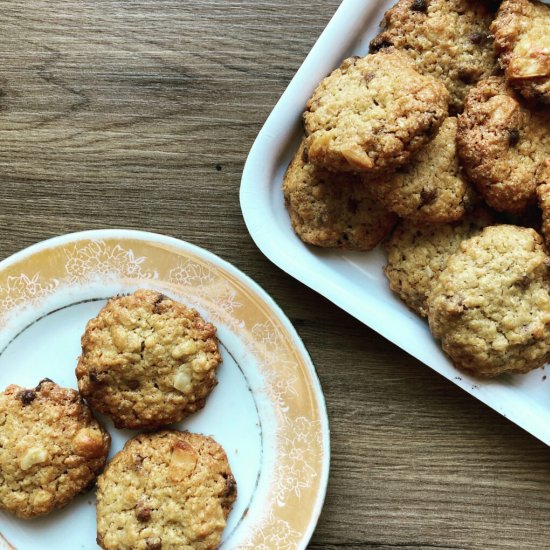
(267, 411)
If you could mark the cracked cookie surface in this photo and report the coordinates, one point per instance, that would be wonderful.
(372, 114)
(165, 490)
(333, 210)
(51, 448)
(417, 253)
(490, 306)
(522, 41)
(501, 144)
(448, 39)
(431, 188)
(147, 360)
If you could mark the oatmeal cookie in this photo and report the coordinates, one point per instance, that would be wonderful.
(147, 360)
(51, 448)
(522, 41)
(432, 187)
(331, 209)
(417, 253)
(490, 306)
(372, 114)
(543, 194)
(165, 490)
(448, 39)
(501, 144)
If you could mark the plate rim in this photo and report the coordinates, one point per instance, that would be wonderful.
(217, 261)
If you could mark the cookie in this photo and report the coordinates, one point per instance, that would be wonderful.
(490, 306)
(522, 40)
(417, 253)
(448, 39)
(432, 187)
(333, 210)
(372, 114)
(147, 361)
(51, 448)
(543, 194)
(165, 490)
(501, 144)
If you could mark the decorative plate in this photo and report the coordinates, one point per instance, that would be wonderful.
(355, 281)
(267, 411)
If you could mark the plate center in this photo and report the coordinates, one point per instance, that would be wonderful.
(49, 348)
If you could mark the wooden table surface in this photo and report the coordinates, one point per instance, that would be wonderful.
(140, 114)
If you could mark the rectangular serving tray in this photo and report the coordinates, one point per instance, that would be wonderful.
(355, 281)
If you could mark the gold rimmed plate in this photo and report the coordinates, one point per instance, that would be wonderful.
(267, 411)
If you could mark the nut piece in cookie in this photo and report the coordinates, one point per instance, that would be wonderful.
(522, 41)
(490, 306)
(333, 210)
(51, 448)
(417, 253)
(165, 490)
(432, 187)
(501, 144)
(448, 39)
(372, 114)
(147, 360)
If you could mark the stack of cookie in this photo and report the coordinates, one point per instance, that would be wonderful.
(435, 143)
(147, 361)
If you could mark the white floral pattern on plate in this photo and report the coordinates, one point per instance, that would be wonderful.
(84, 263)
(24, 289)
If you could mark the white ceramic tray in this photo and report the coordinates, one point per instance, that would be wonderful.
(355, 281)
(267, 411)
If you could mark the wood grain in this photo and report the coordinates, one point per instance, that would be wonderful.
(140, 114)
